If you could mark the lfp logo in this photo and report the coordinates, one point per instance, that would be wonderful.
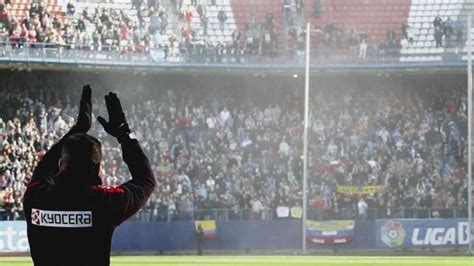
(393, 234)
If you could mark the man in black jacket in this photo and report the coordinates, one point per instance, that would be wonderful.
(199, 239)
(70, 216)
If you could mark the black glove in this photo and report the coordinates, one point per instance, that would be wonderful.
(84, 119)
(117, 125)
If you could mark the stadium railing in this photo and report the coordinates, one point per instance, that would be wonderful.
(148, 215)
(24, 52)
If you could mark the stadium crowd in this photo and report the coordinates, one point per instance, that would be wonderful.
(105, 29)
(150, 28)
(448, 32)
(220, 150)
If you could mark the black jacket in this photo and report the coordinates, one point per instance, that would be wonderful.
(71, 219)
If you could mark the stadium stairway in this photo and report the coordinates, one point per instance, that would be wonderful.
(422, 14)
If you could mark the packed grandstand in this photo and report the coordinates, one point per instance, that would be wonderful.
(376, 152)
(233, 31)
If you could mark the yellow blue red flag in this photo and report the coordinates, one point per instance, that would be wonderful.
(209, 227)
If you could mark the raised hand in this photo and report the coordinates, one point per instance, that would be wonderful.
(117, 125)
(84, 119)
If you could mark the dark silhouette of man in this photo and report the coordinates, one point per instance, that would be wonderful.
(70, 216)
(199, 239)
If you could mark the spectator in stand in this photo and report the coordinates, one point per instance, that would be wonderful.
(300, 45)
(155, 21)
(405, 30)
(459, 28)
(173, 41)
(353, 43)
(391, 38)
(269, 20)
(188, 17)
(299, 7)
(438, 36)
(164, 23)
(3, 34)
(362, 209)
(137, 4)
(200, 10)
(204, 24)
(437, 22)
(70, 9)
(438, 31)
(410, 34)
(4, 21)
(329, 29)
(222, 17)
(363, 46)
(448, 30)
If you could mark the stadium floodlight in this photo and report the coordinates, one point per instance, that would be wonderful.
(469, 129)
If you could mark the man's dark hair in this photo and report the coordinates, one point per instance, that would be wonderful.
(81, 154)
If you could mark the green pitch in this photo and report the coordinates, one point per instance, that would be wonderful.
(272, 260)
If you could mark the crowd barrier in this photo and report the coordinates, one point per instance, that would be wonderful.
(265, 235)
(24, 52)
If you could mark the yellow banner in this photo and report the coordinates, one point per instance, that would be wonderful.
(296, 212)
(341, 225)
(359, 190)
